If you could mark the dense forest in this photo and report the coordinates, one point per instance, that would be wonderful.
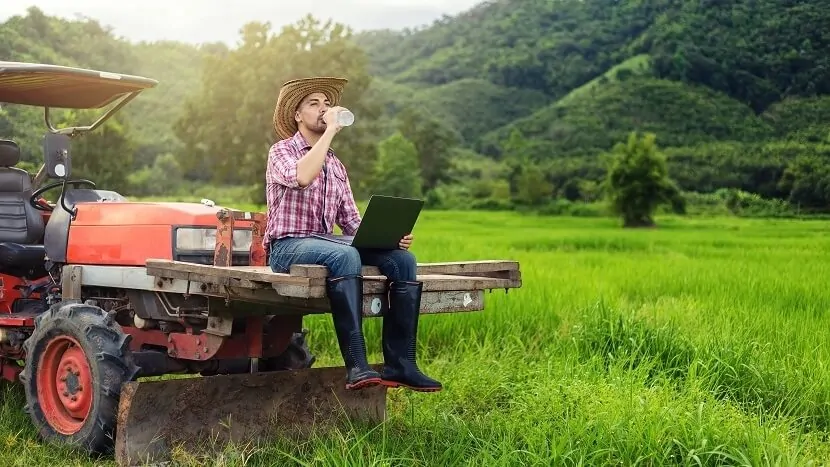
(514, 103)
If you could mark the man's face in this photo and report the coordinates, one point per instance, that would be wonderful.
(310, 113)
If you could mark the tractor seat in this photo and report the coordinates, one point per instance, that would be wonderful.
(23, 257)
(21, 225)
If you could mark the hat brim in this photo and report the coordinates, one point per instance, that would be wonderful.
(294, 91)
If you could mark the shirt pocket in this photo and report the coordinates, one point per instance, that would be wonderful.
(339, 178)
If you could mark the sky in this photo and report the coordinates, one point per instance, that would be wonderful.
(197, 21)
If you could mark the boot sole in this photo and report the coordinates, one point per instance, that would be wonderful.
(394, 384)
(364, 383)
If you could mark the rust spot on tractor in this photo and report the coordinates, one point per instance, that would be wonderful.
(222, 255)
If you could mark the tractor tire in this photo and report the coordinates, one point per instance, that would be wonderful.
(76, 361)
(296, 357)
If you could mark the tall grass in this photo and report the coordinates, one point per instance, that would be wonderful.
(701, 342)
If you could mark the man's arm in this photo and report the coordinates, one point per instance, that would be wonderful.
(309, 166)
(282, 166)
(348, 217)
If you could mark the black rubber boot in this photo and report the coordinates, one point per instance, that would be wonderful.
(400, 332)
(346, 298)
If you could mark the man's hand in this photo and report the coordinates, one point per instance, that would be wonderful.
(405, 242)
(330, 117)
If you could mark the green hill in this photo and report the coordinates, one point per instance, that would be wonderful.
(635, 67)
(603, 115)
(733, 80)
(755, 51)
(470, 107)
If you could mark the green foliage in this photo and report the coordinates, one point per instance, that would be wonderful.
(397, 171)
(163, 177)
(105, 155)
(533, 189)
(596, 119)
(802, 119)
(469, 108)
(36, 37)
(726, 46)
(20, 124)
(638, 181)
(807, 180)
(551, 47)
(227, 123)
(697, 75)
(177, 68)
(432, 140)
(752, 167)
(634, 68)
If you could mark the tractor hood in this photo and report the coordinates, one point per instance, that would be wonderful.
(130, 233)
(145, 213)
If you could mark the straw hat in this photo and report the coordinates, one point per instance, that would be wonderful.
(294, 91)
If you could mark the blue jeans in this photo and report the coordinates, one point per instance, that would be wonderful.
(341, 260)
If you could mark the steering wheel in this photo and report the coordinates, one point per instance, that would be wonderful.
(33, 200)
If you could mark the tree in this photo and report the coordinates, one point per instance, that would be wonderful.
(396, 171)
(227, 126)
(104, 155)
(516, 156)
(164, 177)
(638, 182)
(533, 187)
(433, 141)
(807, 180)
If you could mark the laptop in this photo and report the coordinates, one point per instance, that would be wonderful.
(386, 221)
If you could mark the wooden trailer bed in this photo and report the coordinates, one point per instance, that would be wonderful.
(448, 287)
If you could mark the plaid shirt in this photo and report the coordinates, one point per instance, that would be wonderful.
(295, 211)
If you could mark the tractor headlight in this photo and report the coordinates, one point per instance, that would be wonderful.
(202, 239)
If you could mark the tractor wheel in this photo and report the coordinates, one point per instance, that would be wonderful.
(296, 357)
(76, 361)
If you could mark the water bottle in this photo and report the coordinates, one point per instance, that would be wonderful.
(345, 118)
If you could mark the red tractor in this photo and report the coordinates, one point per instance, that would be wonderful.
(97, 292)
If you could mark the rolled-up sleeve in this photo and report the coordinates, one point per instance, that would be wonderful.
(282, 165)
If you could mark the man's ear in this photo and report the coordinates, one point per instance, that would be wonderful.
(297, 116)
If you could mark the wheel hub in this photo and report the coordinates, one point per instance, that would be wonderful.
(65, 385)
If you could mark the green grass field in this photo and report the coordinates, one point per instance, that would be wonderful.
(701, 342)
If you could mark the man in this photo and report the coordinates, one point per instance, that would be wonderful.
(308, 191)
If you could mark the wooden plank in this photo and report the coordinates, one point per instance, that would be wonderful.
(432, 283)
(71, 283)
(374, 304)
(377, 305)
(250, 273)
(481, 268)
(195, 277)
(312, 290)
(468, 267)
(442, 282)
(254, 277)
(452, 301)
